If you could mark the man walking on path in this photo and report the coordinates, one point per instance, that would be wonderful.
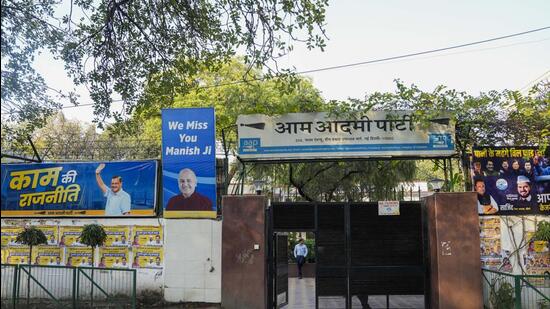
(300, 253)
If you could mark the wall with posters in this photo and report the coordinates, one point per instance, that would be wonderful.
(64, 249)
(500, 236)
(180, 257)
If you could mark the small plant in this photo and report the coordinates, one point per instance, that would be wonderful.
(503, 297)
(93, 235)
(31, 236)
(543, 231)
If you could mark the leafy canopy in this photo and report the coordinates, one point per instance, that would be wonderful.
(116, 47)
(93, 235)
(31, 236)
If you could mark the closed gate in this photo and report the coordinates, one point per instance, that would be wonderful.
(363, 260)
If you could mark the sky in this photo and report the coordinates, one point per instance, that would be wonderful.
(367, 30)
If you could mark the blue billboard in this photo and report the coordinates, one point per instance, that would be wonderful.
(189, 163)
(79, 189)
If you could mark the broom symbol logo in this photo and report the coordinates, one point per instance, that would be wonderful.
(257, 125)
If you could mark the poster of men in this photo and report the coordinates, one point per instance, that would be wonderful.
(511, 180)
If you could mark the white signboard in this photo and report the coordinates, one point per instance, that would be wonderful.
(375, 134)
(388, 208)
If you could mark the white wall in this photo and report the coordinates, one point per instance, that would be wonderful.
(192, 259)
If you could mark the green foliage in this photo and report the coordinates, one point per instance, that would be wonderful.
(93, 235)
(119, 46)
(503, 297)
(543, 231)
(31, 236)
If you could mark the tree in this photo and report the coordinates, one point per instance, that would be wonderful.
(119, 46)
(92, 235)
(32, 237)
(492, 118)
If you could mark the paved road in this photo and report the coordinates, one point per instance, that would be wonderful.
(302, 296)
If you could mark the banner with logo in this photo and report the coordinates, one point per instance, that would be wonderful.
(117, 236)
(9, 234)
(147, 257)
(511, 180)
(19, 255)
(79, 189)
(189, 163)
(317, 135)
(68, 236)
(47, 255)
(51, 232)
(78, 256)
(147, 235)
(113, 257)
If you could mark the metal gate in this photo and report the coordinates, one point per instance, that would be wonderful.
(361, 258)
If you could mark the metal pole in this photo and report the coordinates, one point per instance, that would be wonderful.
(517, 290)
(452, 187)
(74, 288)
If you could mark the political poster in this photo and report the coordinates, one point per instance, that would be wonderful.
(78, 256)
(117, 236)
(147, 235)
(79, 189)
(189, 163)
(9, 234)
(511, 180)
(147, 257)
(68, 236)
(382, 134)
(51, 232)
(490, 244)
(47, 255)
(4, 255)
(113, 257)
(18, 255)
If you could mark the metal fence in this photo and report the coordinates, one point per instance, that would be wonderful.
(38, 286)
(503, 290)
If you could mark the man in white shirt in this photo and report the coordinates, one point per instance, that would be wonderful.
(118, 201)
(300, 253)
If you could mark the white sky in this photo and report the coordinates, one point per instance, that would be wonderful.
(366, 30)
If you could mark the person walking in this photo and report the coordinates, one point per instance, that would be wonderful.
(300, 253)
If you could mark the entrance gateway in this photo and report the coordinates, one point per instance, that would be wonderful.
(359, 254)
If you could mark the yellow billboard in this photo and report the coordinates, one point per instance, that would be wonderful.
(78, 256)
(147, 235)
(47, 255)
(114, 257)
(4, 256)
(117, 236)
(51, 233)
(19, 255)
(9, 234)
(148, 257)
(68, 236)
